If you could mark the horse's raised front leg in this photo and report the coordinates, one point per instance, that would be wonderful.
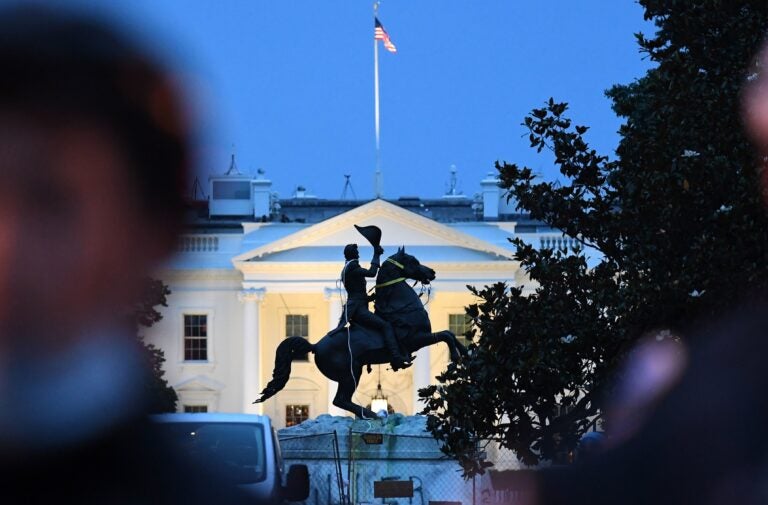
(456, 348)
(343, 398)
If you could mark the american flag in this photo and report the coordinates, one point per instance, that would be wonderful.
(379, 33)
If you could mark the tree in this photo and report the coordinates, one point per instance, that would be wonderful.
(162, 397)
(677, 219)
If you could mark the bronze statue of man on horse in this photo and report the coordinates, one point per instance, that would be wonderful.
(353, 276)
(362, 338)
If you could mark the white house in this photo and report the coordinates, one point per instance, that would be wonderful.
(243, 281)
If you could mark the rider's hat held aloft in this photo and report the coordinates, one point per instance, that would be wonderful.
(353, 276)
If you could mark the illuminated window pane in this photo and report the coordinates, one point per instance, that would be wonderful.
(297, 325)
(459, 324)
(296, 414)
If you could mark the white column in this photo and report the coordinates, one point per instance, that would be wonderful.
(333, 296)
(251, 349)
(421, 374)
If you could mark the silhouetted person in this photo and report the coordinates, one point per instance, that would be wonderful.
(94, 155)
(353, 276)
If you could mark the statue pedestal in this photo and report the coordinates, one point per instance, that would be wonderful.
(396, 436)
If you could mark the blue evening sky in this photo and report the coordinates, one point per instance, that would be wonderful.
(289, 83)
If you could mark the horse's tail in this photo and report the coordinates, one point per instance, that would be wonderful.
(288, 349)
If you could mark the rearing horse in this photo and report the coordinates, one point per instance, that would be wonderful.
(397, 303)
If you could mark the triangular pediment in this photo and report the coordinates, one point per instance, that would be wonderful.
(199, 383)
(398, 226)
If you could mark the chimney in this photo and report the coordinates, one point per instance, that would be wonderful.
(261, 191)
(491, 197)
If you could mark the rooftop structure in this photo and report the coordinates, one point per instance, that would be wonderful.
(236, 198)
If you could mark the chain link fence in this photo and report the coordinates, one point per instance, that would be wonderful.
(349, 467)
(320, 452)
(493, 487)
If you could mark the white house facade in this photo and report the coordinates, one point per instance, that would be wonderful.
(243, 281)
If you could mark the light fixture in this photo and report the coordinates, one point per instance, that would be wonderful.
(379, 401)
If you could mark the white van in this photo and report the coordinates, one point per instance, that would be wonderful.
(241, 449)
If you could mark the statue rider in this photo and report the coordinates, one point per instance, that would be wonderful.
(356, 309)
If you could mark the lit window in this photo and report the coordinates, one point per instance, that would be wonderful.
(297, 326)
(195, 409)
(296, 414)
(195, 337)
(459, 324)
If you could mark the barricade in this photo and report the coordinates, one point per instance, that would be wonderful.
(345, 466)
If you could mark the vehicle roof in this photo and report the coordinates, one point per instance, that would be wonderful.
(211, 417)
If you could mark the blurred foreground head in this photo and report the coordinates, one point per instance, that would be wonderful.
(755, 111)
(93, 159)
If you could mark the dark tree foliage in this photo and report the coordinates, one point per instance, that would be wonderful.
(162, 397)
(676, 216)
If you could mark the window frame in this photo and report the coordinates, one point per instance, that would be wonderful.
(460, 336)
(230, 189)
(294, 405)
(209, 339)
(189, 408)
(198, 396)
(286, 335)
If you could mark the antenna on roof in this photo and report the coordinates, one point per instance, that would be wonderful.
(348, 187)
(453, 189)
(197, 188)
(233, 167)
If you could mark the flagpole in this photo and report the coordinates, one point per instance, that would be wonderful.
(377, 181)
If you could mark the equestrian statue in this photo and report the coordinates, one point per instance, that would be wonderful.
(399, 326)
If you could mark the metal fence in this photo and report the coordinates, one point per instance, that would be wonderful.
(320, 452)
(346, 467)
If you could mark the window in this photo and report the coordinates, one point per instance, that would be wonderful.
(232, 190)
(233, 450)
(296, 414)
(195, 409)
(459, 324)
(195, 337)
(297, 326)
